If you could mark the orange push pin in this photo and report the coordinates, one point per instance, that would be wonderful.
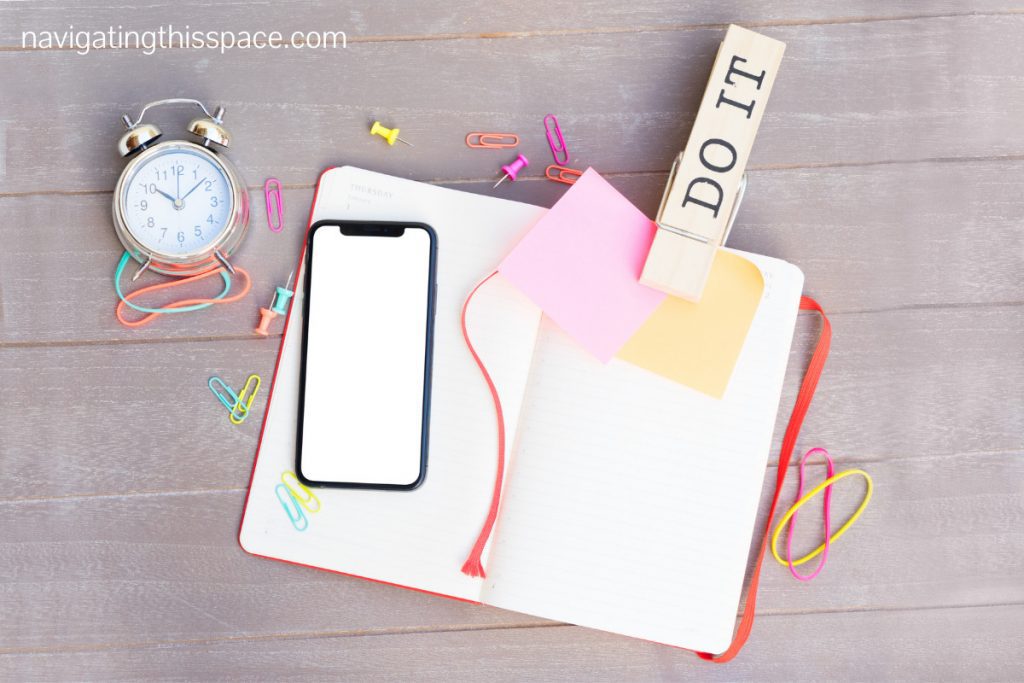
(278, 307)
(266, 317)
(389, 134)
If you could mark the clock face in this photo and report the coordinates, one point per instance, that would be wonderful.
(177, 202)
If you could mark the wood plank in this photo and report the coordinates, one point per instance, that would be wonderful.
(92, 571)
(408, 19)
(978, 643)
(948, 245)
(130, 569)
(847, 93)
(898, 384)
(913, 382)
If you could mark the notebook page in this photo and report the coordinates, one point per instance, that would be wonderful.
(631, 503)
(414, 538)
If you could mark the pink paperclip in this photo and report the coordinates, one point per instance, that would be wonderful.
(272, 189)
(562, 174)
(559, 147)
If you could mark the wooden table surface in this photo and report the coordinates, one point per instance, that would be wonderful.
(889, 167)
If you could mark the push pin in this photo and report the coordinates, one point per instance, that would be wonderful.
(389, 134)
(279, 306)
(513, 169)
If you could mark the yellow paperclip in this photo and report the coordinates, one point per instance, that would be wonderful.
(254, 380)
(303, 495)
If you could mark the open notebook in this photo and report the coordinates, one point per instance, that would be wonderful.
(629, 499)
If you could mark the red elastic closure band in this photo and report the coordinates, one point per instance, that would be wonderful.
(474, 563)
(796, 420)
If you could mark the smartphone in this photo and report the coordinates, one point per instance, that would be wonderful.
(364, 392)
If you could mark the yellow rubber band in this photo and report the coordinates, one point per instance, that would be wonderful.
(811, 494)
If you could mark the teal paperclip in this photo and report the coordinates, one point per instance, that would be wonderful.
(291, 508)
(230, 401)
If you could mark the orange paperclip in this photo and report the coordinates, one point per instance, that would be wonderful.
(563, 174)
(492, 140)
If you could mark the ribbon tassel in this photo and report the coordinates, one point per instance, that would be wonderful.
(474, 565)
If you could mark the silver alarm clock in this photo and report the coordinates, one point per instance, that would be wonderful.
(180, 208)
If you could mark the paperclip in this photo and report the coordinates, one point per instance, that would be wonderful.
(272, 190)
(291, 508)
(559, 147)
(564, 174)
(231, 405)
(300, 493)
(492, 140)
(255, 381)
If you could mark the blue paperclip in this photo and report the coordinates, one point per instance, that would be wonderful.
(291, 508)
(230, 401)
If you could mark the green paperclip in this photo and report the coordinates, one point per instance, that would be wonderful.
(254, 380)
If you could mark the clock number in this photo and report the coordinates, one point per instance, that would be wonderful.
(199, 232)
(181, 237)
(209, 184)
(149, 189)
(163, 233)
(210, 219)
(179, 170)
(158, 176)
(195, 173)
(144, 205)
(213, 201)
(150, 222)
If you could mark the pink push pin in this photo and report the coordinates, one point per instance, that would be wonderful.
(513, 169)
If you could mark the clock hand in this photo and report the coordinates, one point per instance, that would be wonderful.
(194, 187)
(166, 195)
(177, 180)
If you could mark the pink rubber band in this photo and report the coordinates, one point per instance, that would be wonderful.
(827, 511)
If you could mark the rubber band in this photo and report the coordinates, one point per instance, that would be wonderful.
(826, 513)
(808, 496)
(183, 306)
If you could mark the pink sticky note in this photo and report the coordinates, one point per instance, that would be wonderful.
(581, 264)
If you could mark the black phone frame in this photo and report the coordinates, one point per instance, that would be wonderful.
(382, 229)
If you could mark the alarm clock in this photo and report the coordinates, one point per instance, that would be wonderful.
(180, 208)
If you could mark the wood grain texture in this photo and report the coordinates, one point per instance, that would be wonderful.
(408, 19)
(73, 565)
(907, 244)
(888, 167)
(147, 422)
(941, 644)
(846, 93)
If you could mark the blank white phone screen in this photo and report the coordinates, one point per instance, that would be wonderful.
(366, 356)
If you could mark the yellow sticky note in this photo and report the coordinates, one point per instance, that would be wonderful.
(698, 344)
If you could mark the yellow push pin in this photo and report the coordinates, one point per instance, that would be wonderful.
(389, 134)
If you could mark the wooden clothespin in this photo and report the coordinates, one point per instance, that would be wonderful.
(707, 178)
